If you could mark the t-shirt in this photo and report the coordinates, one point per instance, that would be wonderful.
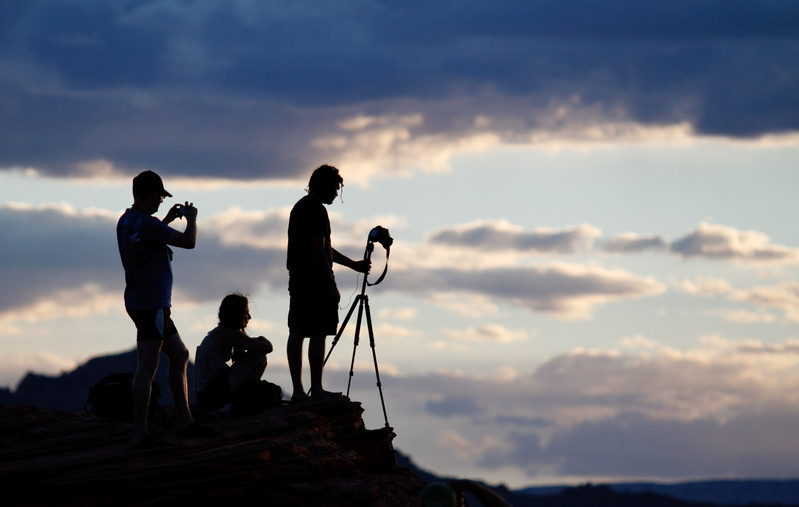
(146, 258)
(212, 356)
(308, 217)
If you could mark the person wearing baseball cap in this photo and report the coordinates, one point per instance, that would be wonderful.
(149, 180)
(144, 242)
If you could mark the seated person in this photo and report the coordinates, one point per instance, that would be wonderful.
(216, 382)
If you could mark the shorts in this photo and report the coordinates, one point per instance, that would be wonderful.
(312, 312)
(155, 324)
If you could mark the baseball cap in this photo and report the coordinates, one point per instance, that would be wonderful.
(148, 180)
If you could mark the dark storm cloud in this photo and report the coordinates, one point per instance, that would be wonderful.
(50, 249)
(241, 89)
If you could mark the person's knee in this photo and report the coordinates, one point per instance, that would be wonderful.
(260, 360)
(177, 353)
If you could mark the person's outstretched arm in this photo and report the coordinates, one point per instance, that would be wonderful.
(188, 238)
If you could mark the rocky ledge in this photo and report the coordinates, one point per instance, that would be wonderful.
(310, 453)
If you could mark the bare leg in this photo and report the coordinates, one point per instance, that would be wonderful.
(178, 357)
(294, 353)
(316, 360)
(147, 353)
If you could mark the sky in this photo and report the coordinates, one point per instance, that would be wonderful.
(594, 268)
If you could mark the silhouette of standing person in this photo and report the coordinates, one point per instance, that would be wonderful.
(313, 295)
(143, 247)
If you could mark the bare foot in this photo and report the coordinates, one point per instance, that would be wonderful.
(301, 396)
(321, 394)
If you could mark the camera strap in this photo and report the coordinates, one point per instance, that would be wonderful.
(385, 270)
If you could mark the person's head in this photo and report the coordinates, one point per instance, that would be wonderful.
(234, 311)
(149, 191)
(325, 182)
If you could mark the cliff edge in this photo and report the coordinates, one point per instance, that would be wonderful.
(310, 453)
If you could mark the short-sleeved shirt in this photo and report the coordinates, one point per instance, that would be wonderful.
(308, 217)
(213, 354)
(142, 241)
(312, 312)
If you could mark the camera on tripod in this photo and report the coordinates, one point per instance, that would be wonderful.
(377, 235)
(381, 235)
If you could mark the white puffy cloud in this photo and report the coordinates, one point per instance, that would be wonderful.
(720, 242)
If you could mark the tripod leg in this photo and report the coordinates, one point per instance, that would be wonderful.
(374, 356)
(355, 342)
(343, 325)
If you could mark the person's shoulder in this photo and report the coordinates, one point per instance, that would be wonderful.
(308, 206)
(128, 214)
(307, 201)
(221, 332)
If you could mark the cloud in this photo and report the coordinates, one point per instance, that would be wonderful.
(721, 242)
(783, 296)
(630, 242)
(744, 316)
(567, 291)
(636, 446)
(492, 333)
(64, 263)
(670, 414)
(53, 252)
(706, 287)
(710, 241)
(50, 252)
(405, 313)
(452, 406)
(263, 91)
(489, 235)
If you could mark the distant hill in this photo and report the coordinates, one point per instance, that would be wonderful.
(728, 492)
(70, 390)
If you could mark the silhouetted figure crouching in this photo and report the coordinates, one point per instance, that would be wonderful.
(218, 383)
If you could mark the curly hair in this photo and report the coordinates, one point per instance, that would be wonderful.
(325, 176)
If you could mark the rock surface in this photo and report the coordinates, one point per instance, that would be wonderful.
(310, 453)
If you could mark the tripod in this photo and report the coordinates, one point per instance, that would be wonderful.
(362, 301)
